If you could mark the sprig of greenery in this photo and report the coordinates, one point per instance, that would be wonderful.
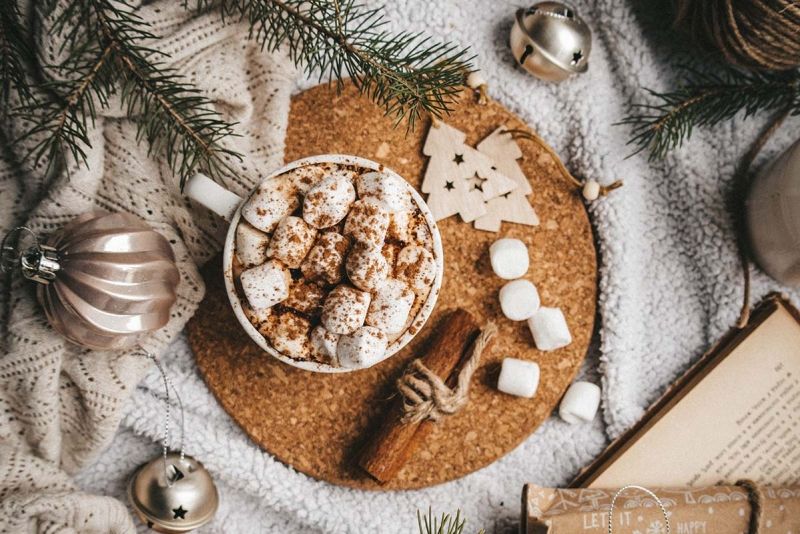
(446, 524)
(707, 99)
(15, 53)
(407, 74)
(105, 56)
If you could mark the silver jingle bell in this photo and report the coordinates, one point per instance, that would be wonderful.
(175, 498)
(550, 41)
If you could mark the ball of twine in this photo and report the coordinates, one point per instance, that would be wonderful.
(755, 34)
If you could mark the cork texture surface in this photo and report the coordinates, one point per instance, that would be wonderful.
(317, 423)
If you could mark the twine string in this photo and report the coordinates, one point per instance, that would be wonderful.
(742, 180)
(754, 494)
(426, 396)
(528, 136)
(756, 498)
(760, 34)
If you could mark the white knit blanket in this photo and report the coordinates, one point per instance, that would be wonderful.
(670, 282)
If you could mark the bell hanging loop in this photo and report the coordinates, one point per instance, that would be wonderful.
(21, 249)
(172, 493)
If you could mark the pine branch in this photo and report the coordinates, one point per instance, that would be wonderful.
(706, 100)
(407, 74)
(175, 120)
(446, 524)
(104, 45)
(15, 53)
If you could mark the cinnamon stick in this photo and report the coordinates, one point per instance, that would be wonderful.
(396, 441)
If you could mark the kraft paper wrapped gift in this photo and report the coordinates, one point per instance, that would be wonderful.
(709, 510)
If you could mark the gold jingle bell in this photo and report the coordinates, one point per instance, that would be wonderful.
(173, 494)
(550, 41)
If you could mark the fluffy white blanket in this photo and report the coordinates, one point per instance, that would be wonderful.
(670, 285)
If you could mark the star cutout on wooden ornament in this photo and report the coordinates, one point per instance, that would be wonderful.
(577, 57)
(449, 186)
(459, 159)
(479, 187)
(179, 513)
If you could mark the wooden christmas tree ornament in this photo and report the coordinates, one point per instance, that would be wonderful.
(459, 179)
(513, 206)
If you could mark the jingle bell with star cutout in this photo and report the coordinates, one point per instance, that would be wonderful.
(175, 497)
(550, 41)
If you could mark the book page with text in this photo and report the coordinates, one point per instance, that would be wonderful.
(742, 420)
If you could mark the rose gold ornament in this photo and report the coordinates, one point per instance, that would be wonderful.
(105, 279)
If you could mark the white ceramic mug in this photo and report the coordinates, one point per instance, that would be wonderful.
(228, 205)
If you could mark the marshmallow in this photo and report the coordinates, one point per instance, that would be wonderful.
(509, 258)
(580, 403)
(363, 348)
(305, 177)
(328, 202)
(366, 267)
(422, 235)
(390, 253)
(251, 245)
(289, 335)
(291, 241)
(390, 306)
(323, 344)
(367, 222)
(325, 260)
(256, 317)
(399, 224)
(549, 329)
(389, 191)
(305, 297)
(345, 309)
(415, 266)
(518, 377)
(266, 285)
(272, 201)
(519, 300)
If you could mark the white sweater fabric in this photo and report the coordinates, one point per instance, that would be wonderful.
(670, 283)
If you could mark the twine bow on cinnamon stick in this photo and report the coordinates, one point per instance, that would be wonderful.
(426, 396)
(431, 387)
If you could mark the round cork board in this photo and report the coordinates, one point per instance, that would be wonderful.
(317, 423)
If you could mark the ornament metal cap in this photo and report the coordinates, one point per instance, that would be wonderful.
(105, 280)
(184, 502)
(21, 248)
(550, 41)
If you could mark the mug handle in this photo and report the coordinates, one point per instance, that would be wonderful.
(213, 196)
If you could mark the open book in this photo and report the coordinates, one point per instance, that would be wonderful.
(734, 415)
